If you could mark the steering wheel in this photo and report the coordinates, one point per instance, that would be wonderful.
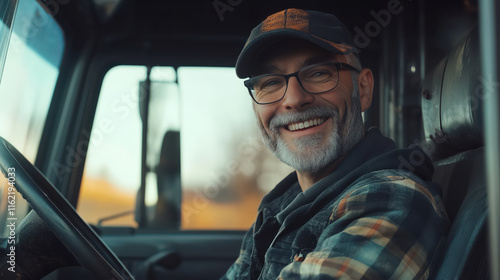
(60, 217)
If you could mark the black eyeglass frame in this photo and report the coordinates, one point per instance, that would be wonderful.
(338, 65)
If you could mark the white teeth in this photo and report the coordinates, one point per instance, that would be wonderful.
(306, 124)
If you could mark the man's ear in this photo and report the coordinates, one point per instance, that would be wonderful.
(365, 84)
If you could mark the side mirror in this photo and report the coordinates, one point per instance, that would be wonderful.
(159, 110)
(167, 212)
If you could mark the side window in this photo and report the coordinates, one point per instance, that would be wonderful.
(205, 166)
(30, 70)
(112, 169)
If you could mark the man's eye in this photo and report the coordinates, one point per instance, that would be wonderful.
(319, 73)
(272, 83)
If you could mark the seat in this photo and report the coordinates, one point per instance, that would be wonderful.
(453, 124)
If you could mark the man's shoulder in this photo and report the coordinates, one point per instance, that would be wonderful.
(388, 176)
(395, 181)
(390, 191)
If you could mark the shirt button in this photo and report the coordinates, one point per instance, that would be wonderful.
(299, 257)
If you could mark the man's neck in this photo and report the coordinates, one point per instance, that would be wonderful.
(307, 179)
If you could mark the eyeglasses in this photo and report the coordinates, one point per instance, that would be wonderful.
(316, 78)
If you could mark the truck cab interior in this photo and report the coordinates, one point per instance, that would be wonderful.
(129, 148)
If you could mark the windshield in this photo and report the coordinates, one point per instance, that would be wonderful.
(29, 76)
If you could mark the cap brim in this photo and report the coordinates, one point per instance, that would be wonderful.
(259, 45)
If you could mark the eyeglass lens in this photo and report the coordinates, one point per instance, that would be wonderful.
(313, 79)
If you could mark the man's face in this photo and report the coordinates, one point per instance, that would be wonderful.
(310, 131)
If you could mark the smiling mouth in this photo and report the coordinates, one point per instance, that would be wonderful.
(305, 124)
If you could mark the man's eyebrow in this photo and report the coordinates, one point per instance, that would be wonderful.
(270, 68)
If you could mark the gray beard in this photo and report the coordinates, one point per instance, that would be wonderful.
(311, 154)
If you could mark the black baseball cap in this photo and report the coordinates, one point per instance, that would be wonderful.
(322, 29)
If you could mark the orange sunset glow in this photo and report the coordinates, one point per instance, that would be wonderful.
(99, 199)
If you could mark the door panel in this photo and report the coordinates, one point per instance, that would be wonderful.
(192, 254)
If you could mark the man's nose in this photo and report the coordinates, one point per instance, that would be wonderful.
(296, 97)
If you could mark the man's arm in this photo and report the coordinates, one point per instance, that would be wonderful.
(243, 259)
(386, 230)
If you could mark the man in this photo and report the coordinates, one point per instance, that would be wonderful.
(355, 208)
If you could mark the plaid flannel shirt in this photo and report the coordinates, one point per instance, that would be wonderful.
(362, 222)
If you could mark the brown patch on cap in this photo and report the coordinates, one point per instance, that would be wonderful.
(290, 19)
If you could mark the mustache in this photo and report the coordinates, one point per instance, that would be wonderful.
(283, 119)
